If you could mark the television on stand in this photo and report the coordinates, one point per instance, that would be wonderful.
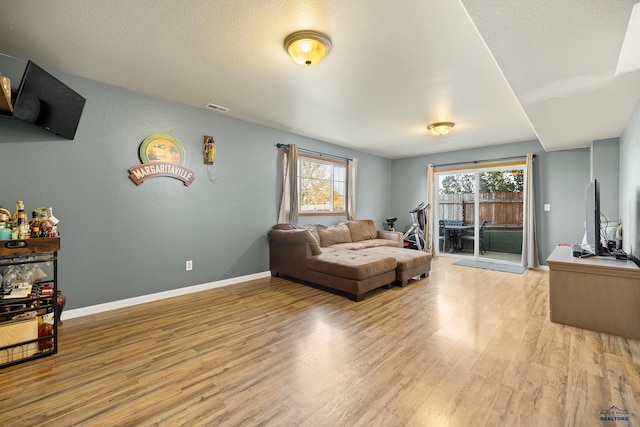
(592, 219)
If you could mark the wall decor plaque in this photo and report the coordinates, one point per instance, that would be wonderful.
(161, 155)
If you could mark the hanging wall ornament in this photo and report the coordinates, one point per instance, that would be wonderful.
(209, 150)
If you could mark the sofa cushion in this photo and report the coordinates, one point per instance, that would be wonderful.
(289, 226)
(294, 236)
(286, 226)
(406, 259)
(313, 228)
(354, 265)
(364, 244)
(363, 229)
(330, 235)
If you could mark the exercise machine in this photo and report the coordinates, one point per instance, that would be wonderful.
(414, 236)
(390, 221)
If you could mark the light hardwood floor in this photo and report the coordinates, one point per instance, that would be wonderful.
(464, 347)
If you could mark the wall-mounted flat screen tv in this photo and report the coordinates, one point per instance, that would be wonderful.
(47, 102)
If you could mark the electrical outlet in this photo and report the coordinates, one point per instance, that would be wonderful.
(189, 265)
(547, 207)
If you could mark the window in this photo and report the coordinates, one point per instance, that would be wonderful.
(322, 186)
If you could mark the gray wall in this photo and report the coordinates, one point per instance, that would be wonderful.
(560, 179)
(605, 167)
(630, 184)
(121, 241)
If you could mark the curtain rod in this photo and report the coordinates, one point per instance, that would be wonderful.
(483, 161)
(317, 153)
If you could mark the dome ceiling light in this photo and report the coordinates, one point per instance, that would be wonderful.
(440, 128)
(307, 47)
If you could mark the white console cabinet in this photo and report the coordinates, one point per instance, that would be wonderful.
(597, 293)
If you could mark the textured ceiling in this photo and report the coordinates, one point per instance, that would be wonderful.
(560, 58)
(502, 71)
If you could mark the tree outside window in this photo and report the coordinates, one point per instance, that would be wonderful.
(490, 182)
(322, 185)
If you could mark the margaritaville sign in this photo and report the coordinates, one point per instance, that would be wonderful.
(161, 155)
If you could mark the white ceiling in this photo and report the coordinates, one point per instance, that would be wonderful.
(503, 71)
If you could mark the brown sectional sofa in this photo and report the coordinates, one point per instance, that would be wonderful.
(352, 257)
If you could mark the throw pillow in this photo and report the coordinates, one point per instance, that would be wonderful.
(363, 229)
(330, 235)
(314, 231)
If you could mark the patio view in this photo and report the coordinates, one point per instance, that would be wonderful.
(480, 214)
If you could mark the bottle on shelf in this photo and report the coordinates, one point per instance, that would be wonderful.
(5, 225)
(46, 221)
(34, 221)
(21, 230)
(45, 329)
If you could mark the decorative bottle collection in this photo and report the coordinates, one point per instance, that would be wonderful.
(18, 226)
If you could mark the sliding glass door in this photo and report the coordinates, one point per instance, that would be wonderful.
(456, 222)
(479, 212)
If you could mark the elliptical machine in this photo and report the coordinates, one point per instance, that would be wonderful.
(414, 236)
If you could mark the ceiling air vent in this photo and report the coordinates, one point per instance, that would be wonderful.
(218, 108)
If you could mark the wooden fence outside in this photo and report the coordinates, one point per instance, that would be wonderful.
(498, 208)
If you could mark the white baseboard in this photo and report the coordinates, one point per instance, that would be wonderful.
(113, 305)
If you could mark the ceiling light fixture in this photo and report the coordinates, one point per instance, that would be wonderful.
(440, 128)
(307, 47)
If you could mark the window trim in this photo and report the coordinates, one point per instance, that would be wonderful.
(334, 162)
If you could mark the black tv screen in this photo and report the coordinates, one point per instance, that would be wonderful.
(46, 101)
(592, 217)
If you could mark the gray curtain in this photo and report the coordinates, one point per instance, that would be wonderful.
(352, 172)
(289, 186)
(529, 245)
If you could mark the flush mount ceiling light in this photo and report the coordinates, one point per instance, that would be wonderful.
(440, 128)
(307, 47)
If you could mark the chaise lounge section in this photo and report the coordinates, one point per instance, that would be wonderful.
(352, 258)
